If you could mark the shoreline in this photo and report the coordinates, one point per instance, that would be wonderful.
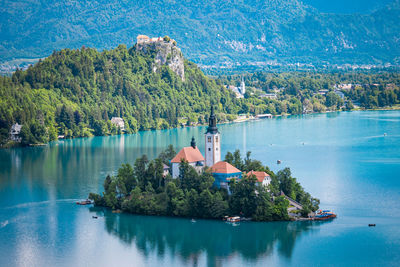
(12, 144)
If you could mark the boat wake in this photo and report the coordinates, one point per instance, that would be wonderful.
(3, 224)
(32, 204)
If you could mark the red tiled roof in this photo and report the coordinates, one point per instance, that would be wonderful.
(259, 175)
(223, 167)
(189, 154)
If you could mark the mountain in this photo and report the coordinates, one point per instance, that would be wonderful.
(210, 32)
(347, 7)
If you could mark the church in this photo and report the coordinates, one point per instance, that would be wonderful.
(222, 171)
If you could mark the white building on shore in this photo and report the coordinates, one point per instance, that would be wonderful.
(15, 131)
(119, 122)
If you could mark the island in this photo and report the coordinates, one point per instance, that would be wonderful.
(186, 184)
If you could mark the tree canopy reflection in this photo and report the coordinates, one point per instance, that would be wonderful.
(182, 238)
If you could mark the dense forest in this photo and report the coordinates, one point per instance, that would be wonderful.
(75, 93)
(142, 189)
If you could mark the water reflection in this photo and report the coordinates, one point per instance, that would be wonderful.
(217, 240)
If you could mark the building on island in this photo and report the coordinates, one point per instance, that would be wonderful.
(213, 141)
(223, 172)
(15, 131)
(192, 155)
(263, 178)
(166, 169)
(119, 122)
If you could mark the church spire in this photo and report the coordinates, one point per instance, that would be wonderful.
(212, 123)
(193, 143)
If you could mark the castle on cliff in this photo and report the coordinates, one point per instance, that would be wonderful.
(167, 53)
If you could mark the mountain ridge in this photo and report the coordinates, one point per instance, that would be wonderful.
(211, 33)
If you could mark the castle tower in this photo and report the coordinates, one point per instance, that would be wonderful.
(213, 141)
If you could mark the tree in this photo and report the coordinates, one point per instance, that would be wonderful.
(243, 199)
(140, 170)
(126, 175)
(349, 105)
(167, 154)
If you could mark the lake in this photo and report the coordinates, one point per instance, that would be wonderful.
(344, 159)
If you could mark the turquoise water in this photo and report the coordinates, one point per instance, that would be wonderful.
(345, 160)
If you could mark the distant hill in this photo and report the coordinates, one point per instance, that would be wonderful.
(209, 32)
(76, 93)
(346, 6)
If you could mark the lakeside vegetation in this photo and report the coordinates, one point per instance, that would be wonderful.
(75, 93)
(142, 189)
(307, 92)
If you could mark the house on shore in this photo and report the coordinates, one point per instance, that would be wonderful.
(264, 116)
(119, 122)
(15, 131)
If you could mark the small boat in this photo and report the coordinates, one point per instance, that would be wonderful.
(372, 225)
(233, 219)
(94, 217)
(193, 220)
(84, 202)
(385, 134)
(278, 162)
(323, 215)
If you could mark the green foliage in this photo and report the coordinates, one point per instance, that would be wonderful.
(143, 189)
(33, 133)
(273, 30)
(293, 189)
(300, 92)
(244, 198)
(76, 92)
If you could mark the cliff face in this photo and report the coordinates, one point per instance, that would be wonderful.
(167, 53)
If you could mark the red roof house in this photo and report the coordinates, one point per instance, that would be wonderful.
(262, 177)
(189, 154)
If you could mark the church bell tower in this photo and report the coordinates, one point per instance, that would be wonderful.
(213, 141)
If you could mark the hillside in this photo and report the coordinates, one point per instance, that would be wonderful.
(76, 93)
(347, 7)
(210, 33)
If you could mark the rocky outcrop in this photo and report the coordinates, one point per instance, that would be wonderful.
(167, 53)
